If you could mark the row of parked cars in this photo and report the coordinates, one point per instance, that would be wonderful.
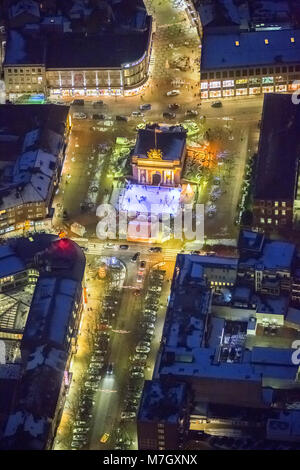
(91, 385)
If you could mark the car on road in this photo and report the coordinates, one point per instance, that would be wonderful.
(191, 113)
(142, 357)
(169, 115)
(216, 104)
(123, 247)
(137, 374)
(105, 437)
(110, 369)
(121, 118)
(98, 117)
(79, 116)
(174, 106)
(142, 265)
(137, 114)
(145, 107)
(135, 256)
(97, 104)
(173, 93)
(78, 102)
(155, 249)
(78, 430)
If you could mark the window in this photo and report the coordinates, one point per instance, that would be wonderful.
(277, 69)
(245, 73)
(227, 83)
(284, 69)
(292, 39)
(237, 73)
(231, 73)
(214, 84)
(251, 72)
(269, 221)
(291, 68)
(237, 43)
(224, 74)
(262, 220)
(276, 212)
(271, 70)
(283, 212)
(264, 71)
(211, 75)
(204, 75)
(283, 204)
(257, 71)
(276, 203)
(266, 41)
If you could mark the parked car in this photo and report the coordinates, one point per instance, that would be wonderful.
(124, 247)
(79, 116)
(169, 115)
(142, 349)
(216, 104)
(99, 117)
(135, 256)
(98, 104)
(142, 265)
(125, 415)
(145, 107)
(78, 102)
(137, 114)
(173, 93)
(191, 113)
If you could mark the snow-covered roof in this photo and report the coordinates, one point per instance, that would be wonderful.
(51, 310)
(25, 6)
(10, 263)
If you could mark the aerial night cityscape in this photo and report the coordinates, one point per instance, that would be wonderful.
(149, 227)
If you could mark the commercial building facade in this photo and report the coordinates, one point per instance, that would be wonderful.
(250, 63)
(46, 342)
(66, 64)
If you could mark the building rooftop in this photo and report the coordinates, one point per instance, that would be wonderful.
(274, 255)
(162, 402)
(76, 50)
(24, 49)
(278, 151)
(221, 51)
(169, 139)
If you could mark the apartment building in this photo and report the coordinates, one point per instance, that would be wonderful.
(33, 142)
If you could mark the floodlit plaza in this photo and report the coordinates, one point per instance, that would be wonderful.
(150, 200)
